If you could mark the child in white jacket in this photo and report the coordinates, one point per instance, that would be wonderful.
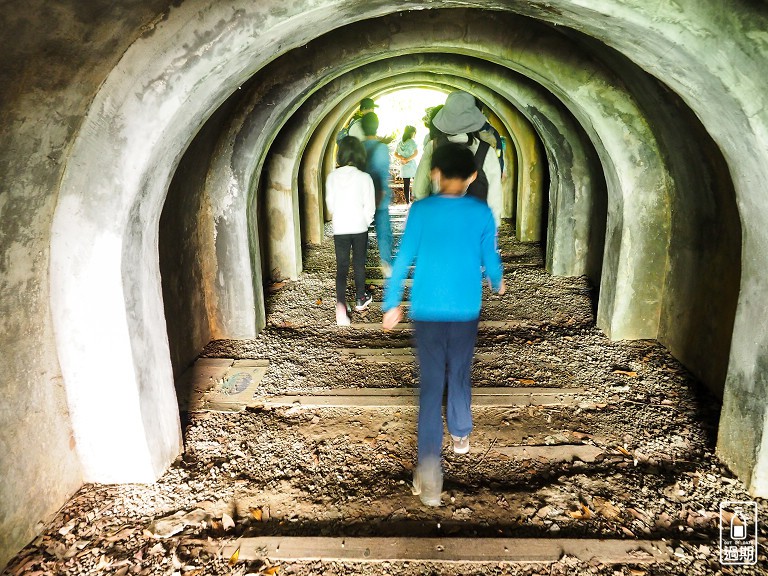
(350, 198)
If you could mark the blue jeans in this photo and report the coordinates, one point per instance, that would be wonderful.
(445, 351)
(383, 227)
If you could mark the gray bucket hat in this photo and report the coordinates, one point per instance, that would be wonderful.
(459, 115)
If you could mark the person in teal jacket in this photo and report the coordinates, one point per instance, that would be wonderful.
(377, 166)
(450, 239)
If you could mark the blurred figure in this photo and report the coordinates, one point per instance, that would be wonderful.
(406, 153)
(492, 136)
(432, 132)
(377, 165)
(356, 128)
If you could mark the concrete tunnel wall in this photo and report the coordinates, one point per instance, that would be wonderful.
(130, 85)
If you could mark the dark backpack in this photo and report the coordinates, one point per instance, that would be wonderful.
(478, 188)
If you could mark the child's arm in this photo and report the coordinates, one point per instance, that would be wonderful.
(406, 255)
(369, 199)
(392, 318)
(329, 193)
(422, 183)
(491, 260)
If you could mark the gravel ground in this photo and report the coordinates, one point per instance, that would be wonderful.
(346, 471)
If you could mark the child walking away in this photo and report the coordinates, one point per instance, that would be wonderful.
(350, 198)
(451, 238)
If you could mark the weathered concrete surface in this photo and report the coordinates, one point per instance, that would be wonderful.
(578, 201)
(52, 67)
(725, 90)
(702, 283)
(530, 199)
(187, 249)
(638, 234)
(281, 200)
(52, 61)
(143, 118)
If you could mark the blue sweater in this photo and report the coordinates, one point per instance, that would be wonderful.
(450, 240)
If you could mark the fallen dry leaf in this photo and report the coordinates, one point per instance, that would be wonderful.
(234, 557)
(584, 514)
(626, 373)
(227, 522)
(605, 508)
(271, 571)
(730, 516)
(256, 513)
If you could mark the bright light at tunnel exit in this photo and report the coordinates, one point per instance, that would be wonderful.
(407, 106)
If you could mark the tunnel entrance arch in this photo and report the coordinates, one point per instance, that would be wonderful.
(124, 285)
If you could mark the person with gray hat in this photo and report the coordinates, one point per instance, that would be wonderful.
(459, 120)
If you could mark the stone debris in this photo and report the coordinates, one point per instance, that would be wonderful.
(632, 458)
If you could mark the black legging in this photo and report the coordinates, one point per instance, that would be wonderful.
(359, 245)
(407, 190)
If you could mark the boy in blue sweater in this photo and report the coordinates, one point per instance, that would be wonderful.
(451, 239)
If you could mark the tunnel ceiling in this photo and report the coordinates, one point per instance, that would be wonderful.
(358, 44)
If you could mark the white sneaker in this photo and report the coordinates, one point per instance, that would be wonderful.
(342, 319)
(364, 302)
(460, 444)
(428, 483)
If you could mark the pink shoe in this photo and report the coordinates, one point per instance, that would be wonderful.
(342, 319)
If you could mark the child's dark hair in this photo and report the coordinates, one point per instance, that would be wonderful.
(351, 153)
(369, 123)
(409, 132)
(454, 161)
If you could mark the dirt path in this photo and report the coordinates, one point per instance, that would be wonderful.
(626, 452)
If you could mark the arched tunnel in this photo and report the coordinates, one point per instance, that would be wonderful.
(163, 162)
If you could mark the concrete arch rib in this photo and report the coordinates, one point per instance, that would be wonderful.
(623, 316)
(635, 257)
(106, 300)
(573, 193)
(237, 162)
(312, 153)
(166, 113)
(526, 149)
(726, 93)
(526, 189)
(141, 173)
